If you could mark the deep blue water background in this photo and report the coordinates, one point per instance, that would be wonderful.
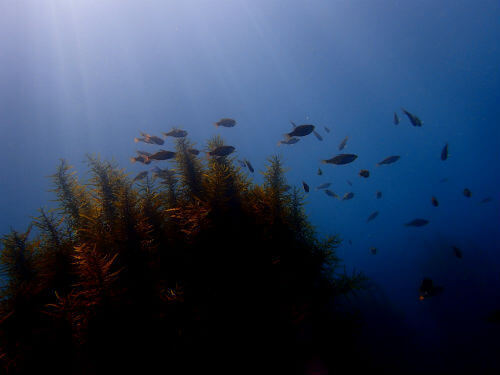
(81, 77)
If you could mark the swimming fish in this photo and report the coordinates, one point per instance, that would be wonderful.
(145, 140)
(343, 143)
(140, 176)
(249, 165)
(144, 153)
(486, 200)
(417, 223)
(467, 193)
(176, 133)
(162, 173)
(306, 187)
(457, 252)
(373, 250)
(320, 138)
(415, 121)
(434, 201)
(320, 172)
(396, 119)
(341, 159)
(348, 196)
(141, 159)
(364, 173)
(331, 193)
(194, 151)
(326, 129)
(378, 194)
(444, 152)
(389, 160)
(299, 131)
(151, 139)
(222, 151)
(372, 216)
(427, 289)
(349, 182)
(290, 141)
(226, 122)
(323, 185)
(162, 155)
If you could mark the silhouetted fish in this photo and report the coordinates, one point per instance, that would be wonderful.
(349, 182)
(396, 118)
(300, 131)
(323, 185)
(364, 173)
(222, 151)
(373, 250)
(434, 201)
(176, 133)
(331, 193)
(444, 152)
(417, 223)
(226, 122)
(378, 194)
(249, 165)
(306, 187)
(162, 155)
(457, 252)
(341, 159)
(145, 140)
(348, 196)
(486, 200)
(320, 138)
(415, 121)
(326, 129)
(290, 141)
(389, 160)
(144, 153)
(320, 172)
(372, 216)
(343, 143)
(467, 193)
(141, 159)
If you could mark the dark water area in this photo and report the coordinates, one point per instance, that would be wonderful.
(86, 77)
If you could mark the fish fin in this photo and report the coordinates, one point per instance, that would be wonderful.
(136, 140)
(293, 124)
(133, 160)
(287, 136)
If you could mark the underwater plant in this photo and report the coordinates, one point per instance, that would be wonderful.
(194, 262)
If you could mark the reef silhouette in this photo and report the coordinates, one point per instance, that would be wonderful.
(195, 269)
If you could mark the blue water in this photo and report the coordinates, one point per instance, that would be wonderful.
(81, 77)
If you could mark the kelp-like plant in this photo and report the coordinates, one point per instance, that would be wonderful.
(192, 269)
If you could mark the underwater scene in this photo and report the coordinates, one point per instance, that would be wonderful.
(236, 186)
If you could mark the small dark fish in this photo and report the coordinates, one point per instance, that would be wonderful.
(194, 151)
(306, 187)
(152, 139)
(444, 179)
(320, 172)
(427, 289)
(226, 122)
(349, 182)
(323, 185)
(434, 201)
(486, 200)
(341, 159)
(241, 163)
(141, 159)
(144, 153)
(467, 193)
(343, 143)
(379, 194)
(162, 173)
(396, 119)
(444, 152)
(222, 151)
(176, 133)
(348, 196)
(417, 223)
(320, 138)
(373, 250)
(145, 140)
(300, 131)
(140, 176)
(457, 252)
(331, 193)
(364, 173)
(162, 155)
(372, 216)
(250, 168)
(326, 129)
(290, 141)
(415, 121)
(389, 160)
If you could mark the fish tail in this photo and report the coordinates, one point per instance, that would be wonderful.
(136, 140)
(287, 136)
(280, 143)
(133, 160)
(216, 124)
